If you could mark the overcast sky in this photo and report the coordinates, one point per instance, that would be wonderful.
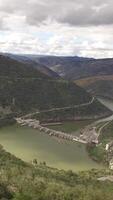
(57, 27)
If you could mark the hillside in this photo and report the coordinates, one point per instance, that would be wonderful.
(95, 75)
(29, 86)
(32, 63)
(14, 69)
(98, 85)
(23, 181)
(25, 89)
(74, 68)
(94, 111)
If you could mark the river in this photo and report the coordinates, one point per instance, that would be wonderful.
(109, 104)
(27, 144)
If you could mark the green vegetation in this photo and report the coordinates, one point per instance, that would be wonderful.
(22, 181)
(71, 127)
(107, 133)
(25, 89)
(7, 120)
(98, 85)
(32, 94)
(98, 153)
(102, 88)
(92, 111)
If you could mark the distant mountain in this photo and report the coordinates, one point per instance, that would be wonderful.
(95, 75)
(55, 65)
(32, 62)
(32, 86)
(71, 68)
(75, 68)
(98, 86)
(25, 89)
(64, 66)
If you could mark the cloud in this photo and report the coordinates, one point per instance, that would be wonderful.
(56, 39)
(65, 27)
(72, 12)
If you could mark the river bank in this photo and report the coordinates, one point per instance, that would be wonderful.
(103, 152)
(28, 144)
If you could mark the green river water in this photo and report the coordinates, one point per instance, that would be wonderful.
(27, 144)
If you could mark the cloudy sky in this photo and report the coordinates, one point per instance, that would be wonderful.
(57, 27)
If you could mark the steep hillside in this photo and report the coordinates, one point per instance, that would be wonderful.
(24, 59)
(25, 89)
(72, 68)
(25, 86)
(65, 66)
(95, 75)
(12, 68)
(99, 85)
(23, 181)
(69, 67)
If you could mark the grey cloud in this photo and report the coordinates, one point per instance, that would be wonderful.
(72, 12)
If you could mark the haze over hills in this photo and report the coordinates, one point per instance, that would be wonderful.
(95, 75)
(74, 68)
(71, 68)
(32, 62)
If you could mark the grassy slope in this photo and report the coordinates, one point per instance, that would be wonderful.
(89, 80)
(21, 181)
(108, 132)
(41, 94)
(70, 127)
(92, 111)
(99, 153)
(73, 69)
(98, 85)
(33, 89)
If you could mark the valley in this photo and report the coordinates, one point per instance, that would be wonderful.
(56, 100)
(54, 135)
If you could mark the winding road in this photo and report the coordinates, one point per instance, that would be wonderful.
(61, 108)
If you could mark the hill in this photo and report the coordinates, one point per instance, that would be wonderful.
(74, 68)
(98, 85)
(25, 89)
(23, 181)
(29, 61)
(95, 75)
